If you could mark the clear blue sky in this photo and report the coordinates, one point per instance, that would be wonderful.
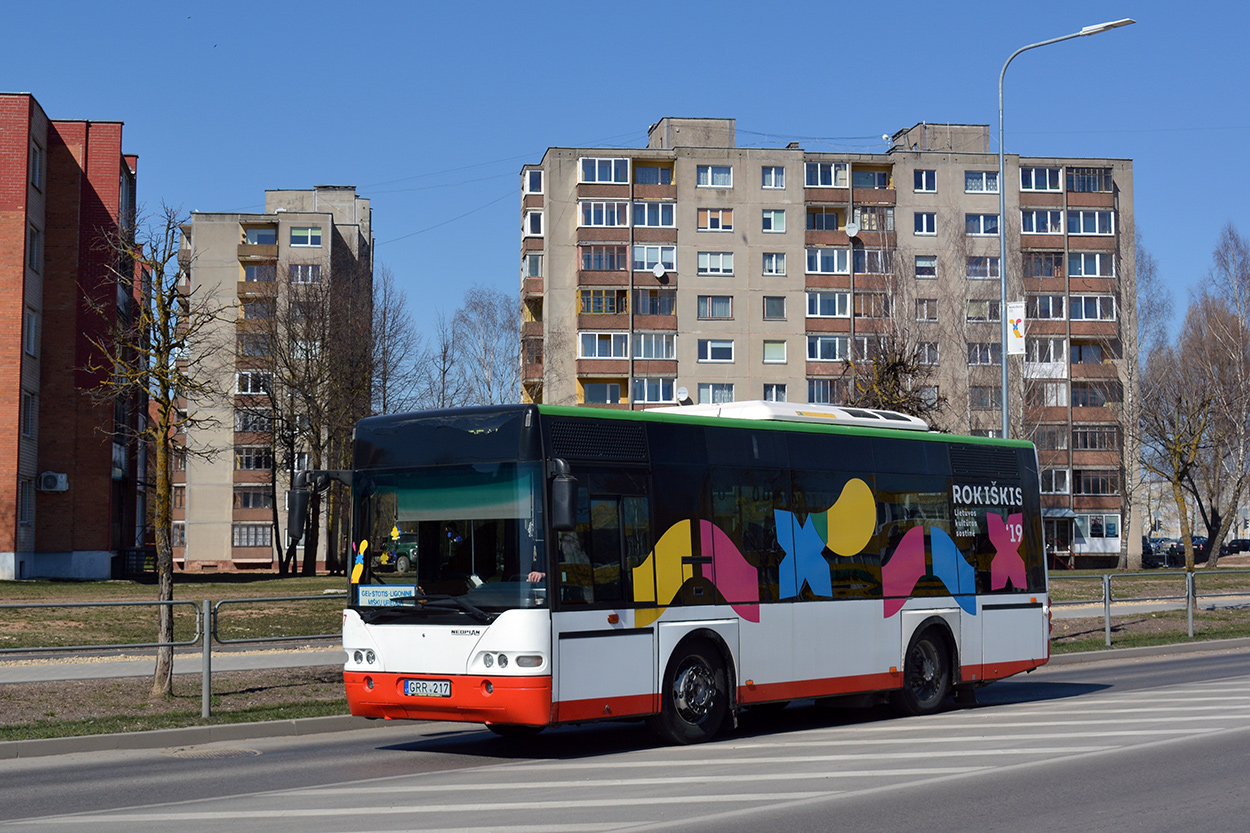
(430, 109)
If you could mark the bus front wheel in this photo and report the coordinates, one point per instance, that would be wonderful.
(694, 697)
(926, 675)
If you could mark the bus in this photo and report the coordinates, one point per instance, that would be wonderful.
(570, 564)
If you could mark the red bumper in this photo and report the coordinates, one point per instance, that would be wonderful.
(519, 700)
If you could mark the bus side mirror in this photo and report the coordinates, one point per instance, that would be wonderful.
(297, 512)
(564, 503)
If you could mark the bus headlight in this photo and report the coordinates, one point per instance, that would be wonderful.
(359, 657)
(503, 660)
(370, 657)
(488, 660)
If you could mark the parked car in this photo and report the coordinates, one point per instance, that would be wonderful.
(1159, 553)
(1176, 552)
(398, 556)
(1235, 546)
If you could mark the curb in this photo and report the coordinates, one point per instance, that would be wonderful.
(1112, 654)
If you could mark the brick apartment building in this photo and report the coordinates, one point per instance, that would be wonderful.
(71, 487)
(693, 270)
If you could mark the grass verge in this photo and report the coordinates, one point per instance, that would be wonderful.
(1148, 629)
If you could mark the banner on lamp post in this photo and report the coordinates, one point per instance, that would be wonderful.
(1015, 328)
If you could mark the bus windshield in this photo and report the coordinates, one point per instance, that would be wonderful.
(468, 536)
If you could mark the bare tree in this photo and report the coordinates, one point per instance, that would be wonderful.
(441, 383)
(159, 351)
(397, 348)
(487, 338)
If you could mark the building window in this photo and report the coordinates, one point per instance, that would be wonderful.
(926, 309)
(774, 263)
(30, 332)
(1044, 349)
(253, 497)
(821, 218)
(1044, 307)
(655, 346)
(604, 170)
(774, 352)
(533, 182)
(1043, 264)
(828, 261)
(178, 459)
(178, 534)
(827, 348)
(1041, 221)
(716, 350)
(254, 345)
(653, 175)
(980, 268)
(715, 176)
(260, 422)
(877, 180)
(1095, 482)
(594, 214)
(716, 219)
(1095, 438)
(825, 174)
(259, 272)
(927, 353)
(926, 267)
(1091, 222)
(1039, 179)
(534, 266)
(981, 182)
(1051, 437)
(984, 353)
(533, 350)
(1084, 352)
(306, 237)
(653, 389)
(925, 181)
(36, 166)
(1090, 180)
(305, 273)
(303, 461)
(179, 497)
(1054, 481)
(1046, 394)
(253, 458)
(774, 220)
(868, 347)
(654, 214)
(603, 301)
(716, 306)
(981, 225)
(714, 393)
(872, 261)
(1097, 526)
(34, 249)
(1093, 307)
(983, 310)
(774, 308)
(1091, 264)
(874, 217)
(601, 393)
(872, 305)
(261, 236)
(716, 263)
(259, 308)
(774, 392)
(647, 258)
(826, 391)
(654, 301)
(253, 535)
(925, 223)
(603, 258)
(773, 176)
(828, 304)
(1092, 394)
(251, 381)
(532, 224)
(985, 397)
(29, 414)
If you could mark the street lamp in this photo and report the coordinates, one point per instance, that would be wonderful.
(1002, 190)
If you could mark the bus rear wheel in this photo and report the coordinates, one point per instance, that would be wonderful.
(694, 696)
(926, 675)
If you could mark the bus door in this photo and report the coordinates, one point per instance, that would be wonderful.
(605, 667)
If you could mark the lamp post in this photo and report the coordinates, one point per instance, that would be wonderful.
(1002, 190)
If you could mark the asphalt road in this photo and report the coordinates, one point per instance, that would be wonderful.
(1151, 744)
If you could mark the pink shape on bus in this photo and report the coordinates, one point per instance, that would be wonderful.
(1007, 563)
(733, 576)
(905, 567)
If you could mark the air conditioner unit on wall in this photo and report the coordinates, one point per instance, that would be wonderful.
(53, 481)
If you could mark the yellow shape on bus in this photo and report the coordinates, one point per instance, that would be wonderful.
(660, 577)
(851, 521)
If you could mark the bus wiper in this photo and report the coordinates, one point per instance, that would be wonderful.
(440, 602)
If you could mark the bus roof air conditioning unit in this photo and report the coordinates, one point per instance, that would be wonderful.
(53, 481)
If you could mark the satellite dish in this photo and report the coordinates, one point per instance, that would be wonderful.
(852, 229)
(658, 271)
(682, 394)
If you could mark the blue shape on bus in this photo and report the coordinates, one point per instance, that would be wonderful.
(804, 561)
(952, 569)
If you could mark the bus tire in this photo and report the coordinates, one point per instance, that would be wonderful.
(514, 730)
(694, 695)
(926, 674)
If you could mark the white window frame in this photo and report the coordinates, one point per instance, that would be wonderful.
(1055, 481)
(527, 181)
(1045, 349)
(1046, 307)
(662, 387)
(829, 261)
(991, 267)
(706, 176)
(605, 345)
(249, 534)
(714, 219)
(1077, 218)
(653, 255)
(924, 223)
(775, 392)
(774, 263)
(663, 218)
(715, 263)
(927, 353)
(1041, 221)
(708, 348)
(977, 225)
(985, 353)
(310, 233)
(304, 273)
(987, 180)
(532, 266)
(773, 220)
(984, 309)
(926, 309)
(926, 275)
(646, 344)
(1103, 264)
(773, 177)
(1030, 174)
(774, 343)
(825, 174)
(251, 382)
(715, 393)
(599, 214)
(617, 165)
(819, 300)
(924, 181)
(1101, 303)
(707, 304)
(816, 345)
(608, 386)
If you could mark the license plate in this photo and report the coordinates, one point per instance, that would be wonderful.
(427, 688)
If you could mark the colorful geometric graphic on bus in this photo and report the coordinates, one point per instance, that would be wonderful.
(844, 529)
(1006, 537)
(724, 566)
(359, 568)
(906, 567)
